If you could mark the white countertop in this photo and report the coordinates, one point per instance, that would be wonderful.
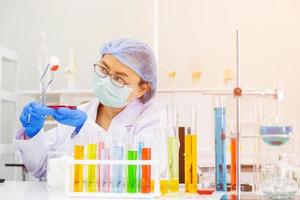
(17, 190)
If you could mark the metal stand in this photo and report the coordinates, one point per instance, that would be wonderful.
(238, 93)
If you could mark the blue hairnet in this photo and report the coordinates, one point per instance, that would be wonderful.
(138, 56)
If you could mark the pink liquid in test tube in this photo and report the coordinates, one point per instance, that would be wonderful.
(105, 172)
(100, 152)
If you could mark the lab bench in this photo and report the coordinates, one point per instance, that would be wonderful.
(19, 190)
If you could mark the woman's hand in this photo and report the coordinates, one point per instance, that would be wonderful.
(33, 117)
(70, 117)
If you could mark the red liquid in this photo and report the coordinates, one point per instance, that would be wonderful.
(59, 106)
(146, 171)
(54, 68)
(205, 191)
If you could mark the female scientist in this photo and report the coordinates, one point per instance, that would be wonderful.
(125, 82)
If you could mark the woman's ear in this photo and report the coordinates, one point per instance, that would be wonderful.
(143, 89)
(140, 91)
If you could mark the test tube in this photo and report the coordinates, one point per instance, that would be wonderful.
(191, 153)
(220, 145)
(233, 162)
(146, 171)
(100, 151)
(181, 136)
(190, 163)
(181, 128)
(173, 152)
(78, 168)
(128, 140)
(117, 175)
(132, 175)
(105, 172)
(140, 146)
(173, 163)
(91, 170)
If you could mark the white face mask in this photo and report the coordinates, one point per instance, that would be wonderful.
(110, 94)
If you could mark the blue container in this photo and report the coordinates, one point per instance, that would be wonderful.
(275, 135)
(220, 149)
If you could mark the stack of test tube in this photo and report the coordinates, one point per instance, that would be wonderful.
(139, 177)
(90, 178)
(182, 150)
(186, 156)
(108, 178)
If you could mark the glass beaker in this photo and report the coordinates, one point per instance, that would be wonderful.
(279, 145)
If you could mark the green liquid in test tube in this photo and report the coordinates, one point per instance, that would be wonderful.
(173, 163)
(132, 173)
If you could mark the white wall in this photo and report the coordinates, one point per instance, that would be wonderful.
(202, 33)
(82, 25)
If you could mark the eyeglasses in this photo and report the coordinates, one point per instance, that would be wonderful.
(115, 79)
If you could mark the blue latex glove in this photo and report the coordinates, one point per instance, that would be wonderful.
(33, 117)
(66, 116)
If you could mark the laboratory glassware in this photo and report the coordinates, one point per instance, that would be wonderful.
(191, 152)
(78, 168)
(146, 171)
(220, 145)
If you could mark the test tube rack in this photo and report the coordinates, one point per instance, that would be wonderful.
(121, 195)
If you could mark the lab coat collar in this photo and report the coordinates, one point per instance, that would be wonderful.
(126, 118)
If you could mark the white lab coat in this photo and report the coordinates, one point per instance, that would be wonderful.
(136, 118)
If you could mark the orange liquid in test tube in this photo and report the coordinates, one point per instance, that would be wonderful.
(146, 171)
(233, 163)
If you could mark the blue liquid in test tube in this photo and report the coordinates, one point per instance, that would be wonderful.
(140, 146)
(220, 149)
(117, 175)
